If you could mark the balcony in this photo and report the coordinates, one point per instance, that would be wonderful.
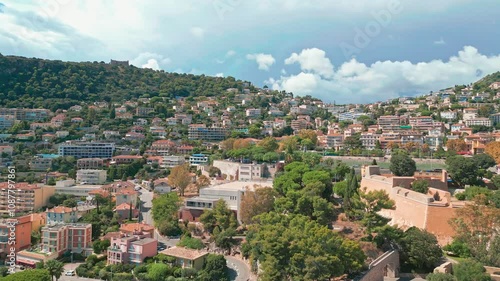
(115, 249)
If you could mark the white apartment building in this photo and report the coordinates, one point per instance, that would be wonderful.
(478, 122)
(87, 150)
(369, 140)
(253, 112)
(91, 176)
(171, 161)
(198, 159)
(449, 115)
(248, 172)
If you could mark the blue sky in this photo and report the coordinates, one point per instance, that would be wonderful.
(343, 50)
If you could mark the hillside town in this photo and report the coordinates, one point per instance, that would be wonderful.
(113, 185)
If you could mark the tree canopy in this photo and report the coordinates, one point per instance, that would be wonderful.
(39, 83)
(402, 165)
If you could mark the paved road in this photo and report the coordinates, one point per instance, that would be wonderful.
(146, 216)
(240, 271)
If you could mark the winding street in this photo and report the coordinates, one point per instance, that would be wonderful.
(239, 270)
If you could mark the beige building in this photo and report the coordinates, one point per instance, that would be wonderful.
(30, 197)
(187, 258)
(91, 176)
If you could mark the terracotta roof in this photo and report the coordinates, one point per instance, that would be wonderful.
(101, 192)
(127, 192)
(20, 185)
(60, 210)
(184, 253)
(124, 206)
(131, 227)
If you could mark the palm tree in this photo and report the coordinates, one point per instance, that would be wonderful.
(55, 268)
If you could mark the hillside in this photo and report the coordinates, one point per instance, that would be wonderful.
(483, 84)
(32, 82)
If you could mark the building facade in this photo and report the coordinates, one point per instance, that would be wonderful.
(91, 176)
(201, 132)
(64, 237)
(131, 249)
(30, 197)
(87, 150)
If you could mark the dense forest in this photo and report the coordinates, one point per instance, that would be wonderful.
(54, 84)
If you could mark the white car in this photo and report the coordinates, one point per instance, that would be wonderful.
(70, 273)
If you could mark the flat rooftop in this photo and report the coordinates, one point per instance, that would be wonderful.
(240, 185)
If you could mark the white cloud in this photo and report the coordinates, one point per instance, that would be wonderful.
(152, 63)
(151, 60)
(440, 41)
(312, 60)
(360, 83)
(219, 74)
(197, 32)
(265, 61)
(230, 53)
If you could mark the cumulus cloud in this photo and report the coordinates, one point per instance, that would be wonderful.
(219, 74)
(265, 61)
(197, 32)
(151, 60)
(357, 82)
(230, 53)
(312, 60)
(152, 63)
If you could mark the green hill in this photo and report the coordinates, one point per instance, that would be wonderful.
(484, 84)
(32, 82)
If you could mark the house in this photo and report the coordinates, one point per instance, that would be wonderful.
(161, 186)
(132, 136)
(131, 249)
(142, 228)
(58, 120)
(62, 134)
(125, 211)
(187, 258)
(126, 196)
(155, 160)
(61, 214)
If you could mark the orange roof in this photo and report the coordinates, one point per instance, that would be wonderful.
(101, 192)
(60, 210)
(127, 192)
(131, 227)
(124, 206)
(20, 185)
(184, 253)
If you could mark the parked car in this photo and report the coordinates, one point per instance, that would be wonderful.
(70, 273)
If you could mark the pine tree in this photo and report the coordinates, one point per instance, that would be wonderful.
(351, 191)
